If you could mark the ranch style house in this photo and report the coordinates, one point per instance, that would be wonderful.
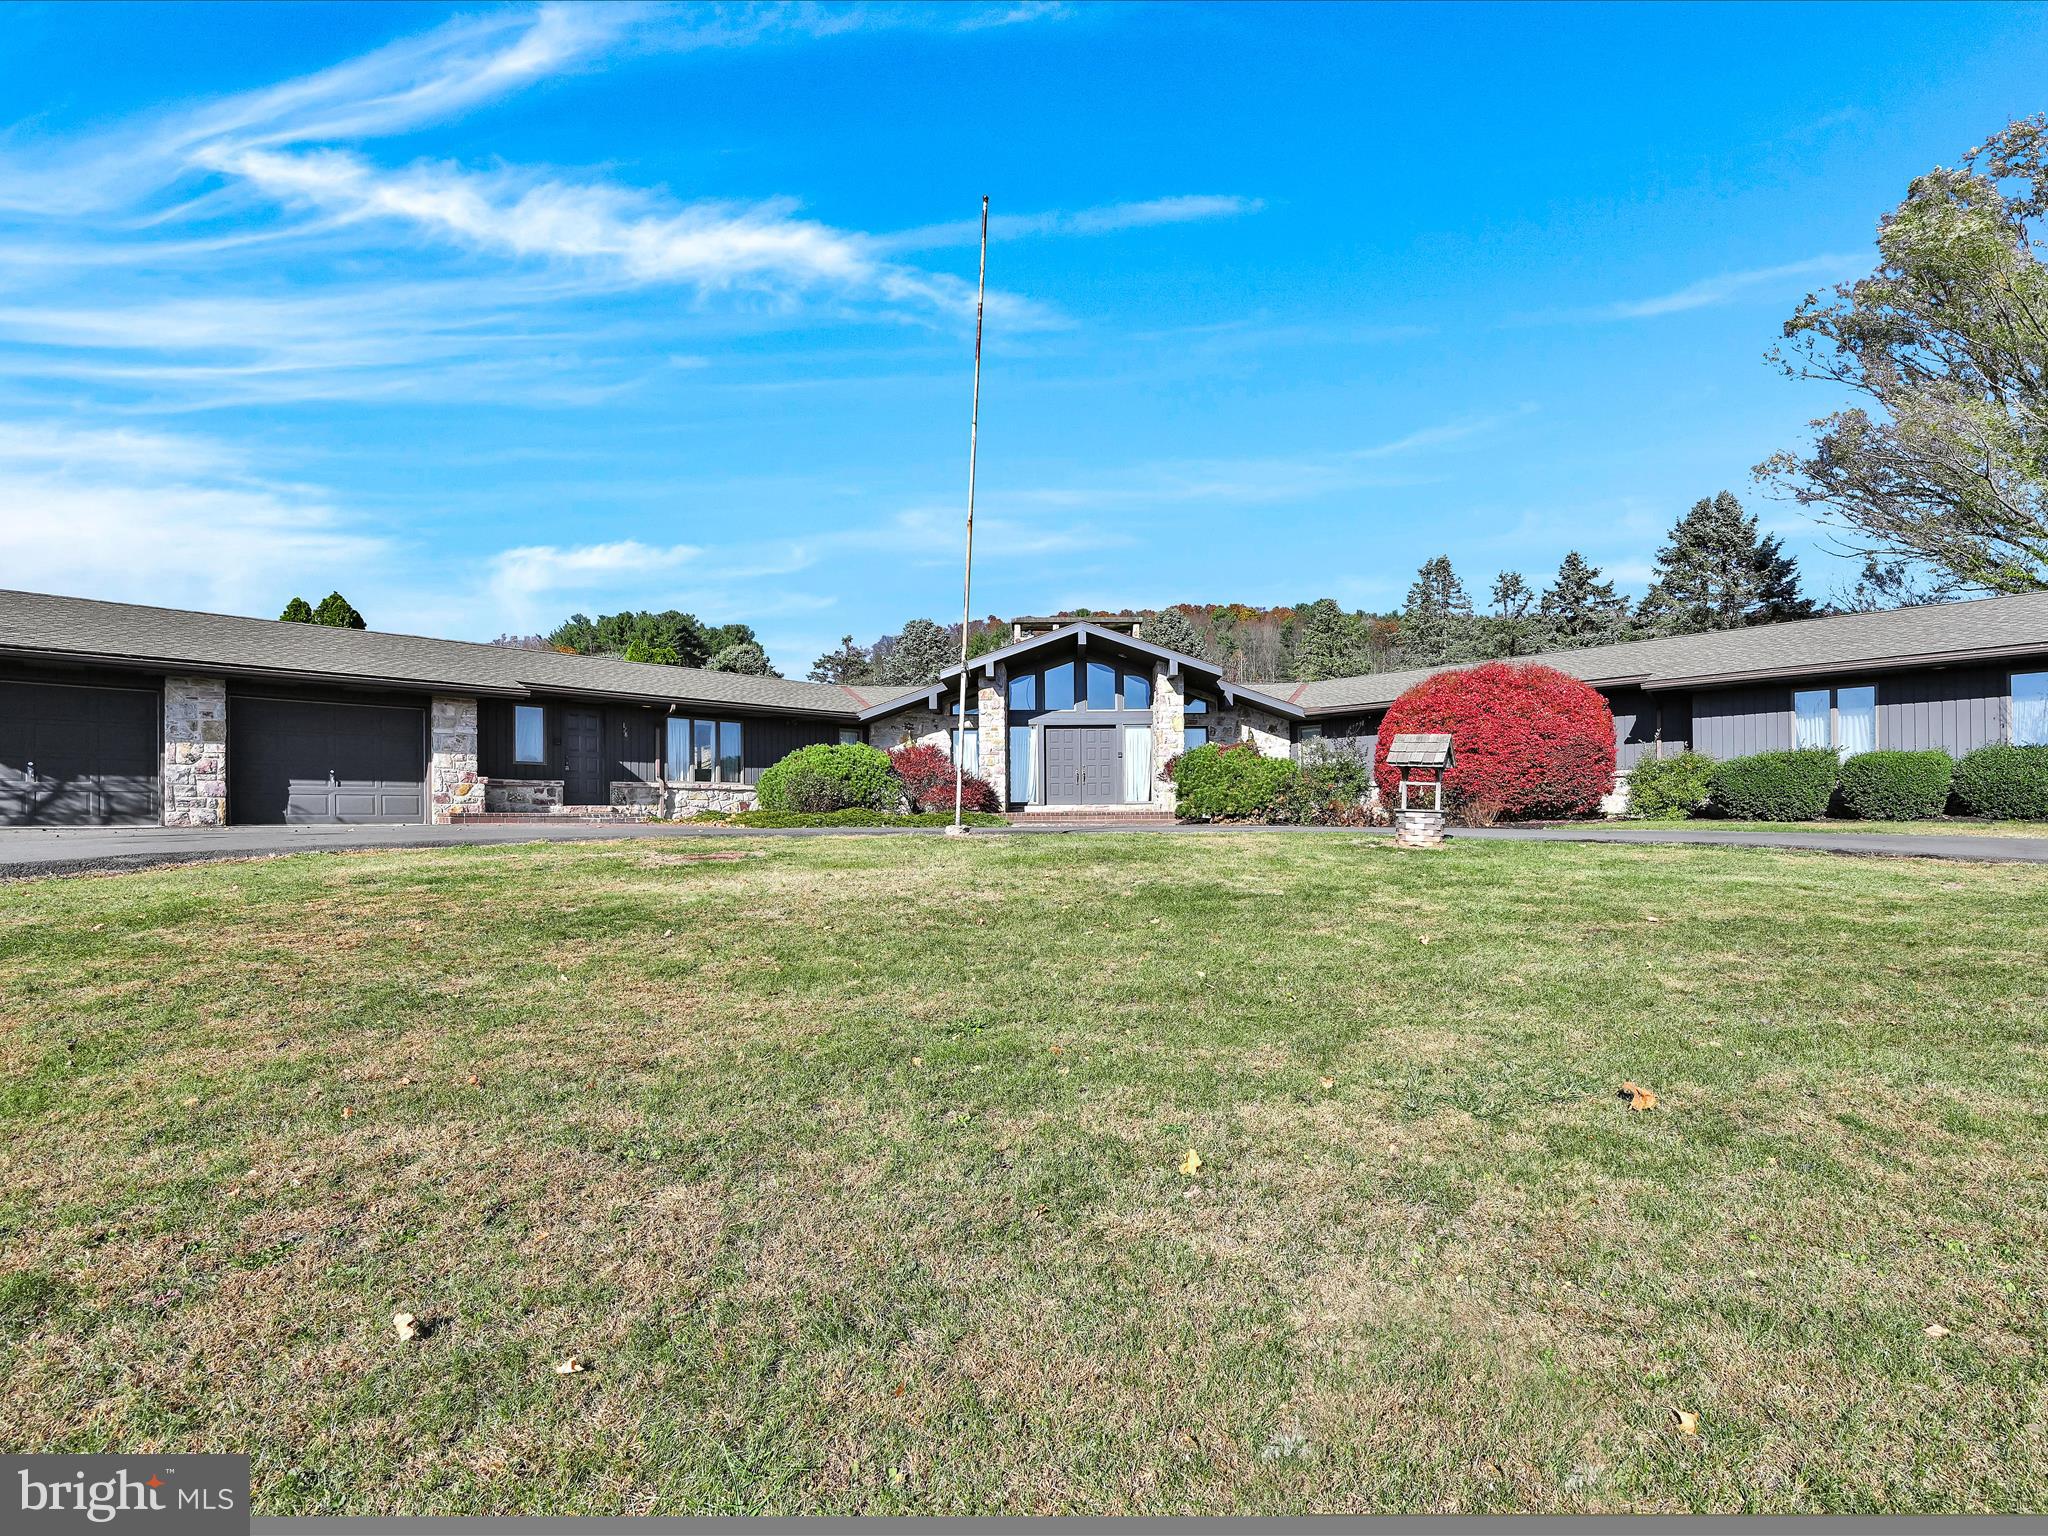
(114, 713)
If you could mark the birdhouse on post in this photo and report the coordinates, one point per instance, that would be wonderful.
(1422, 761)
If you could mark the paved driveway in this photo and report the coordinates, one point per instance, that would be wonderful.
(29, 852)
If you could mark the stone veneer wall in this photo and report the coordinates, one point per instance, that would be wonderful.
(195, 751)
(1244, 722)
(685, 799)
(994, 726)
(452, 783)
(913, 728)
(522, 794)
(1169, 722)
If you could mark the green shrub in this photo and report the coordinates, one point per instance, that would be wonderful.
(1896, 786)
(1330, 789)
(2010, 783)
(1775, 786)
(1669, 786)
(830, 777)
(1232, 783)
(857, 817)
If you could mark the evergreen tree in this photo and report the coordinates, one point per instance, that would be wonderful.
(653, 652)
(849, 664)
(337, 612)
(918, 655)
(747, 657)
(1436, 623)
(1579, 608)
(1328, 642)
(1172, 629)
(1717, 573)
(718, 636)
(672, 638)
(297, 611)
(1513, 629)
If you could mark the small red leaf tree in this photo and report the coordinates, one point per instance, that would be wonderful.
(1527, 741)
(927, 775)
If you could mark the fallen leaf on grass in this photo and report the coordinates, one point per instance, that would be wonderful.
(1685, 1421)
(347, 1113)
(1192, 1163)
(1935, 1331)
(573, 1366)
(1327, 1082)
(1638, 1096)
(405, 1325)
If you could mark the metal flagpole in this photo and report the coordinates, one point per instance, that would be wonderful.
(967, 584)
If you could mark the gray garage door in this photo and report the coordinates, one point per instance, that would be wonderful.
(304, 763)
(78, 757)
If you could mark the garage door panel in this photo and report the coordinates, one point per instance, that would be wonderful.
(304, 763)
(74, 755)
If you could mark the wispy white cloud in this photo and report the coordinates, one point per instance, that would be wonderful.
(1110, 218)
(1730, 286)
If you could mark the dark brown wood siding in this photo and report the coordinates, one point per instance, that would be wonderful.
(1957, 709)
(1635, 726)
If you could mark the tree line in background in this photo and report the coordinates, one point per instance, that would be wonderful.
(669, 638)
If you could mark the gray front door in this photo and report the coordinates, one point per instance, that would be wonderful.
(303, 762)
(1081, 765)
(74, 757)
(583, 781)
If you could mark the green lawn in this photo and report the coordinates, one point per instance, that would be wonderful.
(1943, 826)
(852, 1167)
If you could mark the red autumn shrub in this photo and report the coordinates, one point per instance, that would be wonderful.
(1526, 741)
(927, 775)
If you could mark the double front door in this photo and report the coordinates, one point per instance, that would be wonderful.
(1083, 765)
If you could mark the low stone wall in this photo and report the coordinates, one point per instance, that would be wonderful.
(195, 751)
(632, 794)
(522, 794)
(685, 800)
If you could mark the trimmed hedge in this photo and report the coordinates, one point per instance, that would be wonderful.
(1670, 786)
(1528, 741)
(1233, 783)
(1896, 786)
(1775, 786)
(2010, 783)
(861, 818)
(831, 776)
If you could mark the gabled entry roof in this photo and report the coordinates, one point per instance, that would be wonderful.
(1084, 634)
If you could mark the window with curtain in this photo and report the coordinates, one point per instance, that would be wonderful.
(849, 736)
(1137, 690)
(1023, 767)
(1855, 720)
(1101, 685)
(967, 749)
(529, 734)
(2030, 709)
(709, 751)
(1810, 718)
(1137, 764)
(1193, 736)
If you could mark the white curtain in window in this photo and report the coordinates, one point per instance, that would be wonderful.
(2030, 709)
(1137, 764)
(1023, 766)
(1856, 719)
(967, 749)
(1810, 718)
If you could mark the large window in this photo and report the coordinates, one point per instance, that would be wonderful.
(529, 734)
(2030, 709)
(706, 751)
(1842, 718)
(1137, 690)
(1024, 691)
(1810, 718)
(1059, 686)
(1023, 767)
(1101, 685)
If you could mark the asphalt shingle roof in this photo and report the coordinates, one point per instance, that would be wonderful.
(1946, 632)
(128, 633)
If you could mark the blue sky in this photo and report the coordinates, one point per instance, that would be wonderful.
(486, 316)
